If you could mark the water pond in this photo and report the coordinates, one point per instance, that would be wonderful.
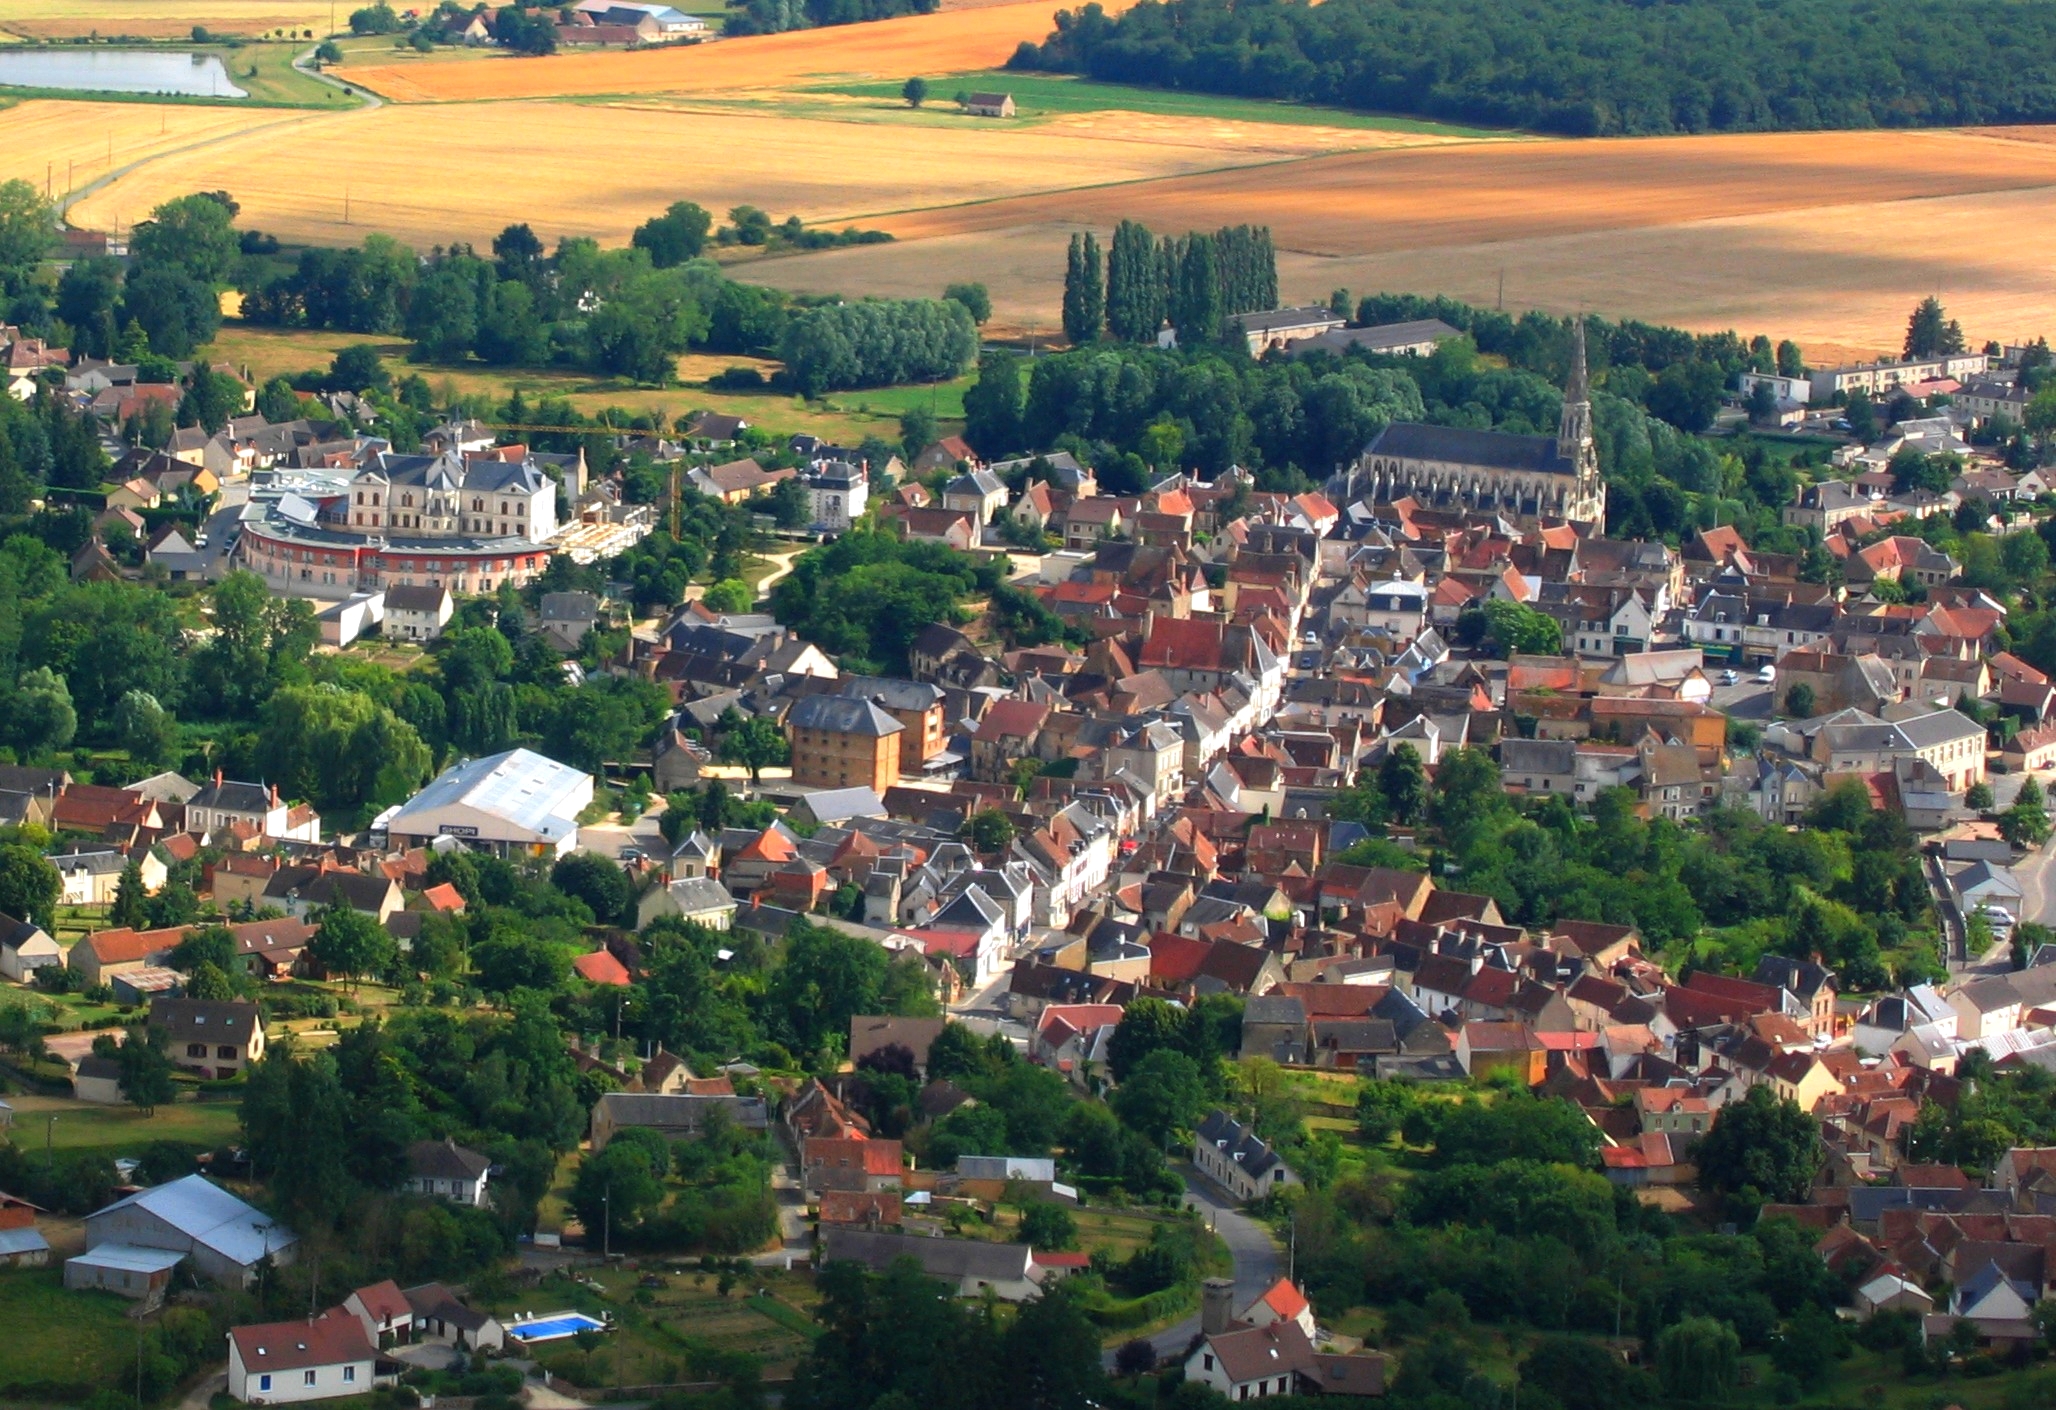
(118, 71)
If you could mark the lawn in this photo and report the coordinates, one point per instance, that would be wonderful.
(1054, 95)
(844, 417)
(657, 1327)
(115, 1131)
(59, 1343)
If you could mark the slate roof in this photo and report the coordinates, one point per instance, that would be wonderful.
(839, 714)
(1238, 1143)
(445, 1160)
(1457, 445)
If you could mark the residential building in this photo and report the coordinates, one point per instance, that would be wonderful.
(448, 1171)
(216, 1038)
(1233, 1157)
(319, 1358)
(973, 1267)
(839, 742)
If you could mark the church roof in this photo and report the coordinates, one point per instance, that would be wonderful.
(1456, 445)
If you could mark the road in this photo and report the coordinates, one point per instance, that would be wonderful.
(1258, 1264)
(2037, 885)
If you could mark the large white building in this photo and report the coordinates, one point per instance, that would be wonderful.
(467, 522)
(192, 1218)
(513, 804)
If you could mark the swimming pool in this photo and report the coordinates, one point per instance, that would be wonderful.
(554, 1326)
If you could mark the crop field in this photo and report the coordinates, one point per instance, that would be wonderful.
(958, 41)
(433, 174)
(162, 19)
(59, 139)
(1827, 238)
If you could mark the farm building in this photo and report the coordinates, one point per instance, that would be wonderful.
(999, 105)
(225, 1238)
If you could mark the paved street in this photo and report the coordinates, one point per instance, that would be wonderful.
(1258, 1263)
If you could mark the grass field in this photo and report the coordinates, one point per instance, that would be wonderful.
(846, 417)
(1050, 95)
(115, 1131)
(58, 1337)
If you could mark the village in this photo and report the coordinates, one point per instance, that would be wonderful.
(1243, 772)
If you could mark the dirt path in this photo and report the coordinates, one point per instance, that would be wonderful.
(784, 561)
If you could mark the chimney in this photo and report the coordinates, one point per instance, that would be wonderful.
(217, 778)
(1216, 1306)
(274, 795)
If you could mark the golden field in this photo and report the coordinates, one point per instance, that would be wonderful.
(953, 41)
(1824, 237)
(43, 138)
(164, 19)
(431, 174)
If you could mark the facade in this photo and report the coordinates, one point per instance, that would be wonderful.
(468, 522)
(418, 612)
(445, 1170)
(225, 1238)
(1526, 478)
(25, 947)
(213, 1037)
(1231, 1155)
(319, 1358)
(1876, 378)
(836, 493)
(513, 804)
(225, 805)
(838, 742)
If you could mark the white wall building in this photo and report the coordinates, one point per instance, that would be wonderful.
(513, 804)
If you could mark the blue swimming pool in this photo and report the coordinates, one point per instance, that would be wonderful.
(555, 1327)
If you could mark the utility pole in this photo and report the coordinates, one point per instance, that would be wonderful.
(49, 1122)
(607, 1223)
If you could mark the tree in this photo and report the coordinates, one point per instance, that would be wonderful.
(729, 595)
(194, 234)
(598, 881)
(917, 430)
(993, 404)
(1162, 1096)
(1698, 1359)
(128, 906)
(1147, 1025)
(988, 830)
(1763, 1143)
(43, 716)
(177, 311)
(145, 1069)
(622, 1184)
(756, 743)
(1930, 331)
(1978, 797)
(975, 298)
(210, 398)
(1811, 1342)
(2026, 823)
(1403, 785)
(351, 944)
(1799, 702)
(674, 237)
(1763, 403)
(328, 52)
(1084, 291)
(1047, 1226)
(28, 233)
(915, 91)
(1135, 1357)
(1791, 361)
(1861, 414)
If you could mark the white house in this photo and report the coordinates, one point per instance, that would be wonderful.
(699, 899)
(319, 1358)
(417, 612)
(448, 1171)
(25, 948)
(1233, 1157)
(1249, 1363)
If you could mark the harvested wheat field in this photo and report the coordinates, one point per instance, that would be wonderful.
(44, 138)
(1827, 237)
(160, 19)
(433, 174)
(956, 41)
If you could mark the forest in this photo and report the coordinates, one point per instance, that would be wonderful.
(1588, 68)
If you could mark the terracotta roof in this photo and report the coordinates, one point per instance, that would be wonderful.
(601, 967)
(328, 1340)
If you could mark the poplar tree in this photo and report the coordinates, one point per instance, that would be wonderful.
(1084, 296)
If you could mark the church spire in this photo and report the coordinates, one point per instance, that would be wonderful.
(1574, 431)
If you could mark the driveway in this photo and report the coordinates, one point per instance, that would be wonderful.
(1258, 1263)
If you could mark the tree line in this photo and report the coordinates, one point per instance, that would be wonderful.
(1195, 281)
(776, 16)
(1587, 67)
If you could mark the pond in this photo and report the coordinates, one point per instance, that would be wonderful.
(118, 71)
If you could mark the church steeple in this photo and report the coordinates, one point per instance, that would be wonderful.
(1574, 431)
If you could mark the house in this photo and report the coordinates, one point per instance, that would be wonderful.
(97, 1080)
(89, 878)
(318, 1358)
(1009, 730)
(213, 1037)
(1282, 327)
(870, 1034)
(1233, 1157)
(676, 1116)
(384, 1313)
(839, 742)
(448, 1171)
(417, 612)
(699, 899)
(915, 704)
(513, 804)
(1280, 1302)
(999, 105)
(224, 805)
(25, 947)
(1250, 1363)
(106, 953)
(859, 1163)
(24, 1247)
(440, 1316)
(191, 1218)
(1274, 1026)
(973, 1266)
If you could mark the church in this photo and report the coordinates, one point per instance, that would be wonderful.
(1524, 478)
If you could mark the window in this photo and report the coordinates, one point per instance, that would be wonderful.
(225, 1051)
(306, 1378)
(349, 1373)
(1208, 1361)
(264, 1383)
(196, 1050)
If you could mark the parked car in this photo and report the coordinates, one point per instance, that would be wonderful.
(1728, 677)
(1767, 676)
